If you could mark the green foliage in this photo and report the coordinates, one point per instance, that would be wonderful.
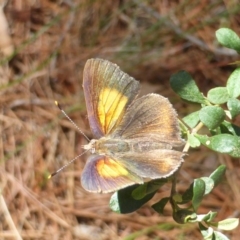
(192, 119)
(159, 206)
(223, 143)
(228, 38)
(233, 84)
(130, 199)
(193, 141)
(211, 116)
(183, 84)
(233, 105)
(217, 109)
(218, 95)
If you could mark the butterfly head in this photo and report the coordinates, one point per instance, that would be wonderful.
(91, 146)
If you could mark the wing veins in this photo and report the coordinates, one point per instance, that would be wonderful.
(104, 104)
(114, 110)
(134, 118)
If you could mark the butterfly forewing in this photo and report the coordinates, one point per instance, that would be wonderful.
(108, 92)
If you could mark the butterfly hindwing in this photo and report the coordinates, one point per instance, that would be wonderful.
(108, 174)
(104, 174)
(108, 92)
(153, 164)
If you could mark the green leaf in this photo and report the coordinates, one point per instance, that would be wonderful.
(219, 236)
(193, 141)
(233, 105)
(192, 119)
(114, 204)
(190, 218)
(205, 217)
(177, 197)
(147, 188)
(201, 217)
(187, 195)
(123, 201)
(228, 224)
(198, 193)
(211, 116)
(233, 84)
(223, 143)
(218, 95)
(140, 192)
(184, 215)
(183, 84)
(210, 216)
(228, 38)
(227, 127)
(209, 184)
(207, 233)
(159, 206)
(218, 175)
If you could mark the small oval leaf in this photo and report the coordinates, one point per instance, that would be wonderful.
(198, 193)
(192, 119)
(219, 236)
(207, 233)
(218, 175)
(233, 84)
(209, 184)
(211, 116)
(233, 105)
(183, 84)
(209, 216)
(228, 38)
(228, 224)
(223, 143)
(218, 95)
(193, 141)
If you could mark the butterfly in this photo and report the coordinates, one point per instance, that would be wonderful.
(133, 137)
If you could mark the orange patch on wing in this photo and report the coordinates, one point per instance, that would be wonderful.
(110, 107)
(110, 168)
(167, 118)
(166, 166)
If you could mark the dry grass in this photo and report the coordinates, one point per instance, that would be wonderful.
(52, 41)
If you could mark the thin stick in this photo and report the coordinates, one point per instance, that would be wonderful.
(9, 219)
(194, 130)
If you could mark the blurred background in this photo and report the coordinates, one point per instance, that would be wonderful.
(43, 48)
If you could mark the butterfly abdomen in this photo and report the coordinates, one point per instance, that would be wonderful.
(146, 146)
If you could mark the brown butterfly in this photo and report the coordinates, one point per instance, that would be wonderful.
(133, 137)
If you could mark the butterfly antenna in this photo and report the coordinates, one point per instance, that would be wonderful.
(75, 125)
(66, 165)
